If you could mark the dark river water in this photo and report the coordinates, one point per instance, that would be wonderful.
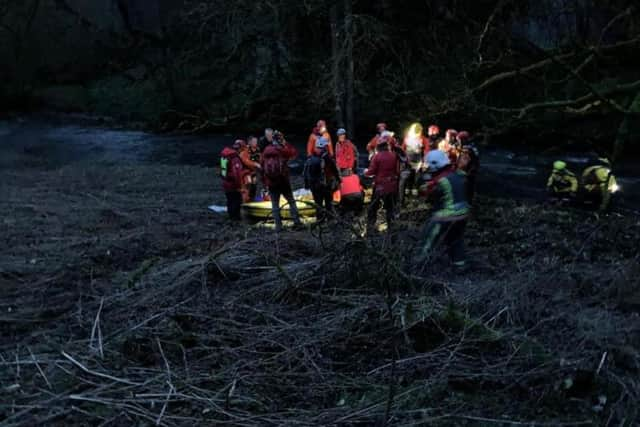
(38, 143)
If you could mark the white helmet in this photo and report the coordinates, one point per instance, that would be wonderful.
(437, 160)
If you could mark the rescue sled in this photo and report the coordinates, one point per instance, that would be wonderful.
(262, 210)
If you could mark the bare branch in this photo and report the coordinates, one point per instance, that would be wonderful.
(546, 62)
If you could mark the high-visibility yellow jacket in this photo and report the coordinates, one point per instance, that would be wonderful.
(598, 179)
(562, 182)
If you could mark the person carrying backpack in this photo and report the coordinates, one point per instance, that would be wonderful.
(322, 177)
(320, 131)
(234, 176)
(275, 173)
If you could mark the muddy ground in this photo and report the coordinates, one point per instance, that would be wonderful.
(125, 302)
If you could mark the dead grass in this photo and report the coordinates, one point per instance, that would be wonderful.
(125, 302)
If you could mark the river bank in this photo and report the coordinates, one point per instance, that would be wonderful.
(125, 301)
(52, 141)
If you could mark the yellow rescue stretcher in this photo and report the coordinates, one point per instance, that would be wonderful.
(262, 210)
(306, 207)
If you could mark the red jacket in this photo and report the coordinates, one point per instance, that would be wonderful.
(236, 172)
(371, 146)
(346, 155)
(385, 169)
(285, 152)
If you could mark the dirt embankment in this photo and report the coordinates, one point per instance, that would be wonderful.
(125, 302)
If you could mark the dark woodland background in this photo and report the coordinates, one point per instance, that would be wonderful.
(549, 72)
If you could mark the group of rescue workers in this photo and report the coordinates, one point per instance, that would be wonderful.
(442, 169)
(595, 187)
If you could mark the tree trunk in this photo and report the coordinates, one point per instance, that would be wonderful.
(21, 36)
(349, 78)
(626, 127)
(336, 67)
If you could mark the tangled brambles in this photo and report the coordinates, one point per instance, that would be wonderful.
(165, 316)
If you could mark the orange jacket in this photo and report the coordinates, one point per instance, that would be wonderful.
(311, 143)
(371, 146)
(245, 156)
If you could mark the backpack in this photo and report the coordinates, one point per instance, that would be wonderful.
(224, 167)
(314, 172)
(232, 169)
(274, 167)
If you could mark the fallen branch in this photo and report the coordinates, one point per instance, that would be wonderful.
(98, 374)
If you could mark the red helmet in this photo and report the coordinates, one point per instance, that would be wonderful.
(463, 136)
(433, 130)
(381, 127)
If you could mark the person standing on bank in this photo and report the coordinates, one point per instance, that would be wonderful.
(385, 170)
(346, 154)
(275, 172)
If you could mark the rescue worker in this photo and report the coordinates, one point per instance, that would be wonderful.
(448, 145)
(275, 173)
(234, 176)
(468, 161)
(433, 134)
(250, 166)
(254, 149)
(598, 184)
(562, 183)
(266, 140)
(346, 154)
(371, 146)
(322, 177)
(450, 209)
(351, 194)
(385, 170)
(319, 131)
(416, 147)
(254, 156)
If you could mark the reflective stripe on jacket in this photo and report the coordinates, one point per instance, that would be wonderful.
(449, 196)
